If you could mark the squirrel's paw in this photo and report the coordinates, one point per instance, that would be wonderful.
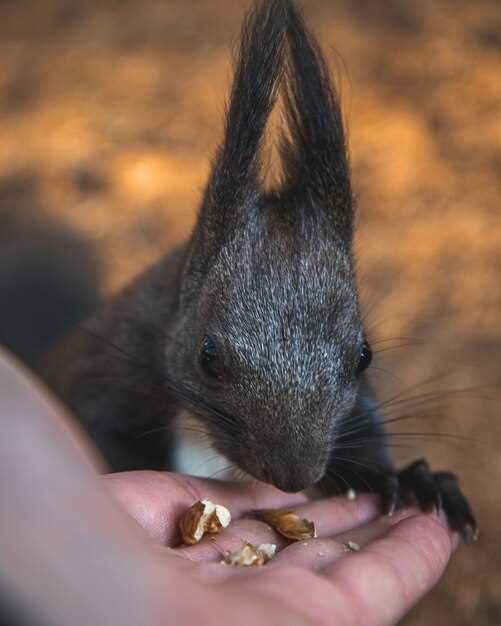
(430, 490)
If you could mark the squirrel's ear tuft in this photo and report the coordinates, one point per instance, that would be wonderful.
(276, 48)
(236, 178)
(314, 154)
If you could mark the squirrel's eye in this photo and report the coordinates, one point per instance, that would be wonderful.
(364, 359)
(209, 358)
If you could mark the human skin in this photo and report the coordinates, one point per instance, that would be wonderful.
(79, 548)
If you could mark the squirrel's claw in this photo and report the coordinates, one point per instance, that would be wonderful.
(437, 491)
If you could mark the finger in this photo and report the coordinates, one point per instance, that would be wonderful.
(157, 500)
(330, 516)
(380, 583)
(317, 554)
(337, 514)
(391, 574)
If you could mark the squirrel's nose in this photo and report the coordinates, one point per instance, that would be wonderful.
(292, 479)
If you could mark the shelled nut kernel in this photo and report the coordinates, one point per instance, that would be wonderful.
(249, 555)
(203, 517)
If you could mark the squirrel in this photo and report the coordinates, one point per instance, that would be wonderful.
(250, 335)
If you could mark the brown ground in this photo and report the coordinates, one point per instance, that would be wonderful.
(110, 110)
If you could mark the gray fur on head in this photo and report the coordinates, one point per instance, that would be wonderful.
(268, 276)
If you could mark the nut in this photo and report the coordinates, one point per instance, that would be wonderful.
(203, 517)
(351, 546)
(351, 494)
(220, 518)
(288, 523)
(249, 555)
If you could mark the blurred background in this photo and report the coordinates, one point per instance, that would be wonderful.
(111, 110)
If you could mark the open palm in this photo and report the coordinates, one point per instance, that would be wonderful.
(317, 581)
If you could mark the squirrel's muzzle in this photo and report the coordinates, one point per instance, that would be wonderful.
(292, 474)
(293, 481)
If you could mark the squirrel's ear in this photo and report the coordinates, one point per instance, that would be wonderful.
(235, 179)
(314, 154)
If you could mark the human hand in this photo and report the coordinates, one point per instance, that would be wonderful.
(73, 555)
(400, 559)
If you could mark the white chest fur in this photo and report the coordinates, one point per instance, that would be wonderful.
(194, 453)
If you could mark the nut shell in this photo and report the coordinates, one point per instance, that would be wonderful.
(288, 523)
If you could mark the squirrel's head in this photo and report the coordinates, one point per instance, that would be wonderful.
(268, 331)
